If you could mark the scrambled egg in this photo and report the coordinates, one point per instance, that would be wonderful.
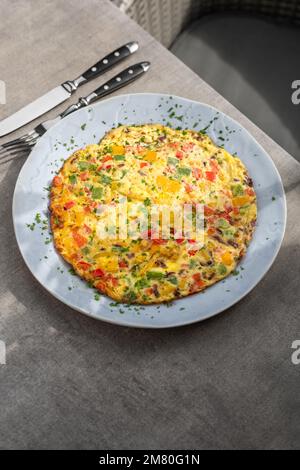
(148, 165)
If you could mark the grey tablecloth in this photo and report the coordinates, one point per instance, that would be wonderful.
(72, 382)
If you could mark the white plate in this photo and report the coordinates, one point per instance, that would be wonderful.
(88, 126)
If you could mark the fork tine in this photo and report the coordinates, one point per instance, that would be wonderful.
(20, 146)
(15, 151)
(18, 143)
(26, 139)
(15, 147)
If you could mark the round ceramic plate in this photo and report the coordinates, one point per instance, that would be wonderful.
(30, 208)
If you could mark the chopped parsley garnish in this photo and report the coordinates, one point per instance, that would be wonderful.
(173, 280)
(222, 223)
(97, 193)
(184, 171)
(237, 190)
(141, 283)
(131, 296)
(119, 157)
(154, 275)
(222, 270)
(173, 161)
(83, 165)
(31, 226)
(120, 249)
(38, 218)
(105, 179)
(73, 179)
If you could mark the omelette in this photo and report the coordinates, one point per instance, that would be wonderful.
(148, 166)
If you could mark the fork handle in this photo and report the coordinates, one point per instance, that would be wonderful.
(123, 78)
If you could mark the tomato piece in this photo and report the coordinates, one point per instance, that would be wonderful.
(87, 209)
(188, 146)
(87, 229)
(79, 239)
(112, 279)
(158, 241)
(149, 291)
(142, 164)
(197, 173)
(101, 286)
(188, 188)
(208, 211)
(107, 158)
(214, 165)
(69, 204)
(83, 176)
(210, 175)
(179, 240)
(98, 273)
(250, 192)
(179, 154)
(83, 265)
(192, 252)
(123, 264)
(211, 231)
(224, 215)
(197, 279)
(57, 181)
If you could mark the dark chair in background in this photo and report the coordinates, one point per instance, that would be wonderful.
(248, 50)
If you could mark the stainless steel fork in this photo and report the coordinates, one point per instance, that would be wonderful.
(22, 146)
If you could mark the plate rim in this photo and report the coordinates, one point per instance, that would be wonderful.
(131, 324)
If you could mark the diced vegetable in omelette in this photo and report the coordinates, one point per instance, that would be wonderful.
(152, 164)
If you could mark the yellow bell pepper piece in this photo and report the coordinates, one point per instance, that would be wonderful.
(227, 258)
(117, 150)
(150, 156)
(240, 201)
(167, 184)
(114, 185)
(109, 264)
(182, 283)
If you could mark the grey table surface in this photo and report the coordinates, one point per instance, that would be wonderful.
(71, 382)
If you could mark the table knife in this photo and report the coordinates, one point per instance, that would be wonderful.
(61, 93)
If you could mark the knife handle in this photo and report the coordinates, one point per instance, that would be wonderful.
(102, 66)
(123, 78)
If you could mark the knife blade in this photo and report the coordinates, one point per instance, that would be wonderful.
(61, 93)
